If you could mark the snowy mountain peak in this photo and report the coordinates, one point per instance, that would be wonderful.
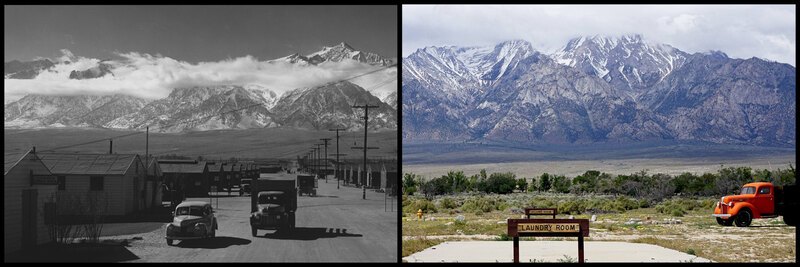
(345, 46)
(629, 61)
(337, 53)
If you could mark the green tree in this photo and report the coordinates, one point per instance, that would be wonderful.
(522, 184)
(500, 183)
(533, 185)
(458, 180)
(410, 183)
(561, 184)
(586, 182)
(472, 183)
(544, 182)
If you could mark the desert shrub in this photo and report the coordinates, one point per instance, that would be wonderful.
(447, 203)
(677, 212)
(627, 203)
(414, 205)
(483, 204)
(503, 237)
(540, 202)
(571, 207)
(644, 203)
(677, 207)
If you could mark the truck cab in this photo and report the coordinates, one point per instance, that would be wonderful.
(273, 203)
(754, 201)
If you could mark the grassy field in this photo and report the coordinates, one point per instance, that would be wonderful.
(768, 240)
(220, 144)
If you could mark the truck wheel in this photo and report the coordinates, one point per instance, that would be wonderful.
(744, 218)
(169, 242)
(255, 231)
(789, 220)
(724, 222)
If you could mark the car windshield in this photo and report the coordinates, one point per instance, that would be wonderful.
(748, 190)
(269, 199)
(194, 211)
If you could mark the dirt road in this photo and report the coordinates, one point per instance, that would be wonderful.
(336, 225)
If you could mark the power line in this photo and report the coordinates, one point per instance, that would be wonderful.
(92, 142)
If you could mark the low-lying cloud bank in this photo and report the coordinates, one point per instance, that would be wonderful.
(154, 76)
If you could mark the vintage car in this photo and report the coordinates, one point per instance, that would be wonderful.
(757, 200)
(245, 186)
(192, 220)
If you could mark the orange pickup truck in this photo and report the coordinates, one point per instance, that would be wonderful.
(757, 200)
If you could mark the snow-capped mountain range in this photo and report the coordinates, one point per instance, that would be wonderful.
(196, 108)
(595, 89)
(337, 53)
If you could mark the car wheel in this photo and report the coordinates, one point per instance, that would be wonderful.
(744, 218)
(169, 242)
(724, 222)
(255, 231)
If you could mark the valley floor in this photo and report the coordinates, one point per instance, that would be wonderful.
(432, 160)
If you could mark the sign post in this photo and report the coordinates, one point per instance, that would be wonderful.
(548, 227)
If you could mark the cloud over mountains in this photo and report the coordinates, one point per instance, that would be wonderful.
(154, 76)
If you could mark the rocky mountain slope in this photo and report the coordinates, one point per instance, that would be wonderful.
(595, 89)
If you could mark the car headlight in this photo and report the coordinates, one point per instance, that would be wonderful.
(170, 227)
(730, 204)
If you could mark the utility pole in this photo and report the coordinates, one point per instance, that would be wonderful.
(336, 171)
(326, 158)
(319, 149)
(366, 120)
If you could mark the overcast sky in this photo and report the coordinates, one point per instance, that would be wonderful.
(741, 31)
(196, 33)
(154, 49)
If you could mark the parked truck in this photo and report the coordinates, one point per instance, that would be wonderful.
(758, 200)
(273, 202)
(306, 184)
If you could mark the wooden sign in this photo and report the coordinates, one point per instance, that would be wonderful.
(548, 227)
(541, 211)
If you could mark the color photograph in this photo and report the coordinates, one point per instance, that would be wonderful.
(583, 133)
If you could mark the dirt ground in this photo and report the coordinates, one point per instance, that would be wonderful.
(767, 240)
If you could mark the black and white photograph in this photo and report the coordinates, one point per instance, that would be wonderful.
(201, 134)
